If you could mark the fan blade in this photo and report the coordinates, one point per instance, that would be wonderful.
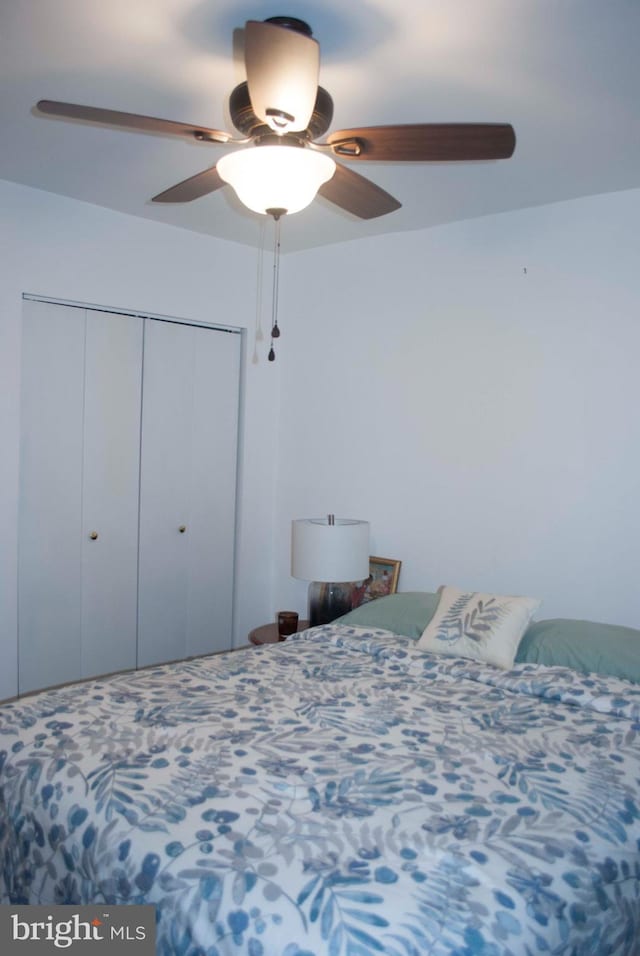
(358, 195)
(143, 124)
(282, 61)
(193, 188)
(426, 142)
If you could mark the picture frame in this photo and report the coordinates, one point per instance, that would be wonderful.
(382, 580)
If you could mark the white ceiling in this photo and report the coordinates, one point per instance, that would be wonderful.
(565, 73)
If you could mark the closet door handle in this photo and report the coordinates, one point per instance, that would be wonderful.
(94, 535)
(182, 528)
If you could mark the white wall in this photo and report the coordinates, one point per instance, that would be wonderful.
(484, 419)
(473, 391)
(59, 248)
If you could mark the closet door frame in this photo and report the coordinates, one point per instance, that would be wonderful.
(73, 643)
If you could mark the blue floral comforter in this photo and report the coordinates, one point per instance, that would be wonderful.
(340, 793)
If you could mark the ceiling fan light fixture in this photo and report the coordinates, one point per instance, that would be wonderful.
(276, 177)
(282, 64)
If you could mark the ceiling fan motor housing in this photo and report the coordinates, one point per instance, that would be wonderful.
(245, 120)
(291, 23)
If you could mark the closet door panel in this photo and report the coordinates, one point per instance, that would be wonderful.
(210, 552)
(166, 448)
(188, 482)
(111, 472)
(50, 495)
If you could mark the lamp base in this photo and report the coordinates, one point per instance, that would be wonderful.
(327, 601)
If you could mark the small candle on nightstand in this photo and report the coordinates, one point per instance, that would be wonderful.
(287, 624)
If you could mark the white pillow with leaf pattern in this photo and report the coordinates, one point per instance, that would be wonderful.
(483, 627)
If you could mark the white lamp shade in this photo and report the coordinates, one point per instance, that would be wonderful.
(337, 552)
(276, 177)
(282, 75)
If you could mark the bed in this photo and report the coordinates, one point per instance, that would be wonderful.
(343, 792)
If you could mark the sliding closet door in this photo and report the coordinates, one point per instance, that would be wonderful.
(80, 436)
(50, 520)
(187, 490)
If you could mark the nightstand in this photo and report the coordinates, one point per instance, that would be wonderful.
(268, 633)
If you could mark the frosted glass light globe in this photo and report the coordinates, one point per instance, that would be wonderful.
(276, 177)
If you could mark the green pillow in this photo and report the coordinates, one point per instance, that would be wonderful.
(407, 613)
(583, 645)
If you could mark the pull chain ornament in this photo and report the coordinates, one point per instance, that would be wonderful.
(275, 331)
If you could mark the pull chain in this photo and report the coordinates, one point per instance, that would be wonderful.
(258, 337)
(275, 331)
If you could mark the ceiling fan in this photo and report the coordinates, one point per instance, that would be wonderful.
(282, 113)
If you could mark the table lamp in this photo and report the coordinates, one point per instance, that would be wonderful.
(332, 553)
